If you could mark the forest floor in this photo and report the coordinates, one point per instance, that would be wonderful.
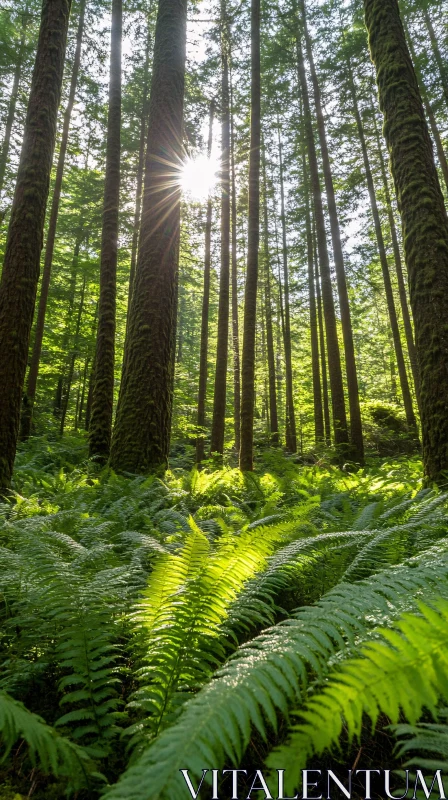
(71, 519)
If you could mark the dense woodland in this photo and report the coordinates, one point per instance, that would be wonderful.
(223, 396)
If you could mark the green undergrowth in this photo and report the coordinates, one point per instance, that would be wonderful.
(251, 609)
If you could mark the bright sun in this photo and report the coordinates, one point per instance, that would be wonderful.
(199, 176)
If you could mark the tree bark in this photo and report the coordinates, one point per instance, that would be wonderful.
(273, 413)
(235, 320)
(33, 373)
(356, 437)
(100, 430)
(143, 422)
(334, 359)
(291, 433)
(13, 100)
(203, 352)
(24, 242)
(219, 396)
(323, 358)
(253, 237)
(404, 383)
(424, 221)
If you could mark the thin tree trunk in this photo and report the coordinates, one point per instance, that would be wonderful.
(323, 359)
(13, 100)
(235, 321)
(141, 162)
(73, 357)
(100, 430)
(291, 434)
(83, 392)
(253, 238)
(317, 390)
(143, 421)
(404, 383)
(334, 359)
(33, 373)
(428, 108)
(62, 381)
(24, 243)
(219, 397)
(399, 270)
(356, 437)
(437, 54)
(424, 220)
(203, 352)
(273, 415)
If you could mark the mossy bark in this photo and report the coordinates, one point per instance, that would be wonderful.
(203, 351)
(356, 436)
(222, 347)
(253, 238)
(100, 430)
(24, 242)
(13, 99)
(33, 373)
(143, 422)
(424, 222)
(341, 438)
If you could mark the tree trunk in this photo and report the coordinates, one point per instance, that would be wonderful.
(424, 220)
(100, 431)
(13, 100)
(323, 358)
(203, 352)
(140, 165)
(143, 422)
(235, 321)
(24, 243)
(399, 270)
(291, 434)
(253, 237)
(273, 415)
(356, 437)
(404, 383)
(219, 397)
(30, 394)
(437, 54)
(334, 359)
(73, 357)
(428, 108)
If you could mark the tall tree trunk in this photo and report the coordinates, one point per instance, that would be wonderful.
(315, 367)
(291, 433)
(323, 358)
(140, 166)
(13, 100)
(235, 320)
(143, 422)
(73, 356)
(24, 243)
(404, 383)
(273, 415)
(219, 396)
(253, 238)
(356, 437)
(62, 381)
(31, 385)
(203, 352)
(437, 54)
(428, 108)
(399, 270)
(424, 220)
(334, 358)
(100, 431)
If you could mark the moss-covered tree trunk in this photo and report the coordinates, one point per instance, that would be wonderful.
(424, 221)
(234, 279)
(290, 426)
(402, 373)
(341, 438)
(100, 431)
(222, 347)
(4, 152)
(273, 413)
(253, 238)
(33, 373)
(24, 242)
(203, 351)
(143, 422)
(356, 436)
